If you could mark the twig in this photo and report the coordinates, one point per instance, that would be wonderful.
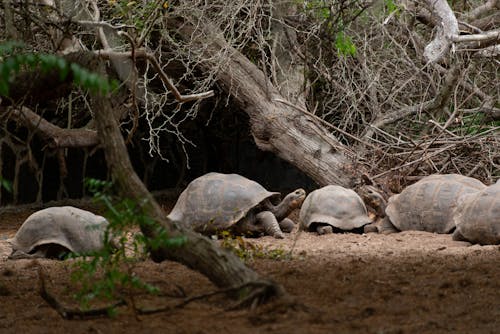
(322, 121)
(65, 312)
(257, 296)
(104, 24)
(141, 53)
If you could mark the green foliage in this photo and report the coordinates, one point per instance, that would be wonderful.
(248, 251)
(318, 8)
(391, 6)
(6, 184)
(332, 24)
(14, 58)
(344, 45)
(476, 123)
(105, 273)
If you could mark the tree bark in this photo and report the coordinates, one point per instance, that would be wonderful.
(277, 125)
(447, 29)
(223, 268)
(56, 137)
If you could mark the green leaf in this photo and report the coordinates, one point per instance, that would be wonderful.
(31, 59)
(344, 45)
(63, 68)
(6, 184)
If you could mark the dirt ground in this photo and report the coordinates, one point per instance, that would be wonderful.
(411, 282)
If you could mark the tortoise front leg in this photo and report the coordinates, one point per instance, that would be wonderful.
(287, 225)
(386, 227)
(457, 236)
(270, 224)
(324, 229)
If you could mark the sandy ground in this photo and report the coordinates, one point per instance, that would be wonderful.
(411, 282)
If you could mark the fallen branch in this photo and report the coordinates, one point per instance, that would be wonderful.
(260, 289)
(489, 36)
(66, 312)
(252, 300)
(485, 8)
(489, 52)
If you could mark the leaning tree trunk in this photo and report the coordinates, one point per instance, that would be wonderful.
(277, 125)
(223, 268)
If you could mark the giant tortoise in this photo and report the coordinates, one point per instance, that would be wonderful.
(427, 205)
(333, 208)
(56, 231)
(478, 217)
(218, 202)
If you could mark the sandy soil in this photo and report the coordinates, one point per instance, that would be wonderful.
(411, 282)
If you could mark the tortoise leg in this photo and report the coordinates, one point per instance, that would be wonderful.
(457, 236)
(270, 224)
(370, 228)
(287, 225)
(386, 227)
(324, 229)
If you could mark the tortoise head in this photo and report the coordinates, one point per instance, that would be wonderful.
(373, 198)
(295, 198)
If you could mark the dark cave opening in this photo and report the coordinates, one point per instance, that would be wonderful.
(222, 143)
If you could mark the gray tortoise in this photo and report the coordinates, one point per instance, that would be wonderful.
(478, 217)
(427, 205)
(56, 231)
(217, 202)
(333, 208)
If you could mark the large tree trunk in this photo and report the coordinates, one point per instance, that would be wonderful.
(199, 253)
(277, 125)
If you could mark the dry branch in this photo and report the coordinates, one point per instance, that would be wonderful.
(67, 312)
(54, 135)
(483, 9)
(152, 59)
(486, 37)
(445, 31)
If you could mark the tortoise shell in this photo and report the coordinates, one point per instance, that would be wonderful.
(76, 230)
(216, 201)
(428, 204)
(478, 217)
(335, 206)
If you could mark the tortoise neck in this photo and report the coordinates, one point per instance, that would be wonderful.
(284, 208)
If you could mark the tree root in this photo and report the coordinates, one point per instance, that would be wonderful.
(255, 293)
(70, 313)
(261, 292)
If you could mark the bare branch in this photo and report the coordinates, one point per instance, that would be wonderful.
(104, 24)
(447, 29)
(485, 8)
(491, 51)
(141, 53)
(56, 136)
(439, 101)
(489, 36)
